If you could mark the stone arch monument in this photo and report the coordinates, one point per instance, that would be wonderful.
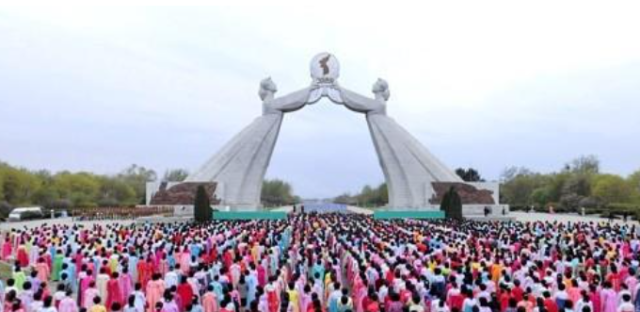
(415, 177)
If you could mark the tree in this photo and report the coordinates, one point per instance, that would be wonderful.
(469, 175)
(579, 184)
(584, 165)
(510, 173)
(451, 204)
(634, 180)
(610, 188)
(576, 189)
(571, 201)
(115, 192)
(18, 185)
(82, 188)
(345, 198)
(137, 177)
(541, 196)
(201, 206)
(175, 175)
(382, 194)
(634, 183)
(277, 193)
(45, 196)
(518, 185)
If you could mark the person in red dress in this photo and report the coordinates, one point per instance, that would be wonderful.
(114, 291)
(185, 293)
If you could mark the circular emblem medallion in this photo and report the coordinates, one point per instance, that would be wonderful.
(325, 67)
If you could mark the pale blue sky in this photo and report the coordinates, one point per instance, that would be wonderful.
(488, 85)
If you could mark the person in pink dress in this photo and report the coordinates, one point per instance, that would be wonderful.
(89, 295)
(7, 248)
(43, 270)
(209, 300)
(126, 283)
(85, 278)
(154, 292)
(68, 304)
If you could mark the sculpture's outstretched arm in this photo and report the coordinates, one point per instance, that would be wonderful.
(290, 102)
(360, 103)
(284, 104)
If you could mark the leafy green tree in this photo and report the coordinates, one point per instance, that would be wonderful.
(382, 195)
(18, 185)
(345, 198)
(201, 206)
(115, 192)
(82, 188)
(610, 188)
(518, 185)
(556, 185)
(541, 196)
(576, 189)
(45, 196)
(634, 180)
(451, 204)
(469, 175)
(634, 183)
(175, 175)
(137, 177)
(366, 196)
(277, 193)
(588, 165)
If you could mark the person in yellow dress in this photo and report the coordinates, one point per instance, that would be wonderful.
(293, 297)
(97, 305)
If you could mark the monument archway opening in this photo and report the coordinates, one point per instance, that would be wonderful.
(324, 152)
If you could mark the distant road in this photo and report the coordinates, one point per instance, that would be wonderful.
(537, 216)
(35, 223)
(519, 216)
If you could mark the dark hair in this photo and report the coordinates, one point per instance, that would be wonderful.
(116, 306)
(131, 300)
(47, 301)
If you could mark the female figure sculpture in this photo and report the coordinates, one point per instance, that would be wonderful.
(409, 168)
(239, 167)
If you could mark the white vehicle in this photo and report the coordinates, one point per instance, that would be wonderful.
(25, 213)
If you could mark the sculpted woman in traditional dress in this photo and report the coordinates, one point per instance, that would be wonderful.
(408, 166)
(241, 164)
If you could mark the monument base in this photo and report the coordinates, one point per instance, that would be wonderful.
(470, 212)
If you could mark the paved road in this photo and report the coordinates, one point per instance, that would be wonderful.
(537, 216)
(520, 216)
(35, 223)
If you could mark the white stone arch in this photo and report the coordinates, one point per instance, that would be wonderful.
(240, 165)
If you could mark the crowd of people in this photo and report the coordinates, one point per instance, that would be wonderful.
(323, 263)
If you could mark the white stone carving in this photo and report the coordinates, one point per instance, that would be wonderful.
(242, 163)
(409, 168)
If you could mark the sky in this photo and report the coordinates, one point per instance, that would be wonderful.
(482, 84)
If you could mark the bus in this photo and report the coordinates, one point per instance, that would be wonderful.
(26, 213)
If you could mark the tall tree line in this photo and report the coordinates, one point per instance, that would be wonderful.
(22, 187)
(65, 189)
(579, 183)
(369, 196)
(277, 193)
